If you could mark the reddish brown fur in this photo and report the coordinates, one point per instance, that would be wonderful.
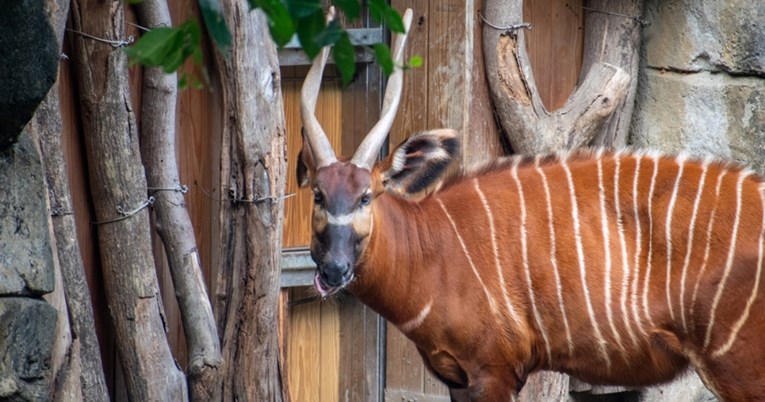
(414, 257)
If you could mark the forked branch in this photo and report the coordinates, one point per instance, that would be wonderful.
(529, 126)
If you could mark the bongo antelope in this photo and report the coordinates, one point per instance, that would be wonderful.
(615, 267)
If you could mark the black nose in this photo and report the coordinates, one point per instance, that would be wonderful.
(336, 273)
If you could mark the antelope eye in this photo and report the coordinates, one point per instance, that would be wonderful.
(318, 197)
(365, 199)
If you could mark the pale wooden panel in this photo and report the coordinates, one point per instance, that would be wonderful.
(412, 113)
(313, 349)
(555, 47)
(297, 209)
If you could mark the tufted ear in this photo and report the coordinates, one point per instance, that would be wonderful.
(418, 164)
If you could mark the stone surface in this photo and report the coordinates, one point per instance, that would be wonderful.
(697, 35)
(702, 82)
(28, 64)
(702, 114)
(26, 340)
(26, 259)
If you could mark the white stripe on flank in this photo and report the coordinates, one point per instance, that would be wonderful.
(638, 249)
(607, 254)
(623, 244)
(729, 261)
(582, 269)
(668, 234)
(554, 258)
(495, 249)
(525, 259)
(492, 302)
(742, 320)
(339, 220)
(646, 311)
(689, 249)
(708, 247)
(415, 322)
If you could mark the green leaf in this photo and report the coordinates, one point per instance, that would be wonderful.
(344, 56)
(350, 8)
(331, 34)
(167, 48)
(303, 8)
(280, 23)
(414, 62)
(382, 54)
(382, 12)
(393, 20)
(308, 28)
(183, 82)
(212, 14)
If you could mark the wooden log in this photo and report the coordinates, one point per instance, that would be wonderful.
(172, 221)
(118, 187)
(253, 177)
(529, 127)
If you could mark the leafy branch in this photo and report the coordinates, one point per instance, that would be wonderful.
(169, 48)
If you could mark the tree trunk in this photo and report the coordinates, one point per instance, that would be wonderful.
(529, 127)
(612, 35)
(119, 196)
(79, 375)
(253, 169)
(172, 219)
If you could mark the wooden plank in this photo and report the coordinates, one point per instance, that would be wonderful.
(313, 348)
(360, 363)
(303, 355)
(555, 47)
(412, 113)
(329, 364)
(398, 395)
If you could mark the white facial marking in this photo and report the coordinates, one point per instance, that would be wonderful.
(339, 220)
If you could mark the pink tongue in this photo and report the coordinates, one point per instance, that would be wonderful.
(319, 288)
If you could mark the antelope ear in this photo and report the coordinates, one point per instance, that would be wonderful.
(418, 164)
(306, 168)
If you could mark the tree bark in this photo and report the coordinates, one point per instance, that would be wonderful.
(172, 218)
(119, 194)
(79, 374)
(253, 169)
(528, 126)
(612, 35)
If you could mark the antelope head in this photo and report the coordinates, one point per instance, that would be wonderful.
(345, 191)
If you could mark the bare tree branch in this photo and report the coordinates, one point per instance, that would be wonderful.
(529, 127)
(118, 187)
(172, 219)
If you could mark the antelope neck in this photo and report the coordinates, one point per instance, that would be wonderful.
(395, 261)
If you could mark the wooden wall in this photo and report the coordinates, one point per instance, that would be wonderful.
(335, 350)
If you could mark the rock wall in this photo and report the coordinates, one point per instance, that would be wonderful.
(702, 91)
(27, 322)
(702, 83)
